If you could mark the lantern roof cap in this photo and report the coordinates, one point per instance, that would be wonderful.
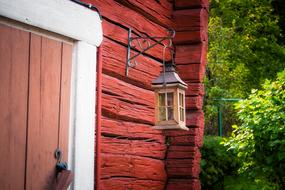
(169, 77)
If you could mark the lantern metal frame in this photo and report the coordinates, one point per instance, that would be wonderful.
(143, 44)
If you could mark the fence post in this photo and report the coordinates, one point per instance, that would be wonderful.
(220, 122)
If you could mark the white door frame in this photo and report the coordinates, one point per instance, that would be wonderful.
(84, 27)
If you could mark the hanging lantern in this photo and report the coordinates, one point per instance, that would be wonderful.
(169, 100)
(169, 88)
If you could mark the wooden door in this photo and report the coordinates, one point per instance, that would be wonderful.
(34, 107)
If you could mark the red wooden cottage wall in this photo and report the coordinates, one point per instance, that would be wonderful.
(135, 156)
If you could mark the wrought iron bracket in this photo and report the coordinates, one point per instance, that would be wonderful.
(143, 44)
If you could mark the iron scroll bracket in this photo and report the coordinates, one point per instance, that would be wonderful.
(143, 44)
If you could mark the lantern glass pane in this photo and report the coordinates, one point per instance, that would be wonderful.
(181, 100)
(170, 113)
(169, 99)
(165, 106)
(162, 113)
(181, 107)
(181, 114)
(161, 99)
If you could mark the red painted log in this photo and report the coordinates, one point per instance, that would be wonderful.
(190, 140)
(190, 19)
(194, 102)
(181, 162)
(191, 72)
(127, 92)
(178, 163)
(183, 148)
(195, 53)
(120, 183)
(131, 130)
(183, 184)
(129, 18)
(195, 135)
(158, 12)
(195, 118)
(142, 148)
(174, 133)
(187, 162)
(114, 63)
(119, 34)
(196, 35)
(120, 109)
(191, 171)
(180, 155)
(184, 4)
(184, 152)
(195, 89)
(132, 166)
(115, 32)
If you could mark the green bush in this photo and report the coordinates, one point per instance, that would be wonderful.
(216, 163)
(219, 169)
(259, 141)
(242, 182)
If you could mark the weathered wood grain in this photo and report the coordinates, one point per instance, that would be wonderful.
(129, 18)
(190, 19)
(128, 102)
(142, 148)
(194, 102)
(132, 166)
(195, 53)
(183, 184)
(191, 171)
(187, 140)
(195, 118)
(174, 133)
(178, 152)
(192, 72)
(120, 34)
(120, 183)
(114, 64)
(182, 163)
(196, 132)
(195, 89)
(153, 10)
(131, 130)
(192, 36)
(185, 163)
(125, 110)
(186, 4)
(127, 92)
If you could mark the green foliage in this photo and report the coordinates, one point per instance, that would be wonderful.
(241, 182)
(216, 162)
(243, 46)
(243, 51)
(259, 141)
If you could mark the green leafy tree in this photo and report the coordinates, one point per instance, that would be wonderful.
(260, 139)
(244, 51)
